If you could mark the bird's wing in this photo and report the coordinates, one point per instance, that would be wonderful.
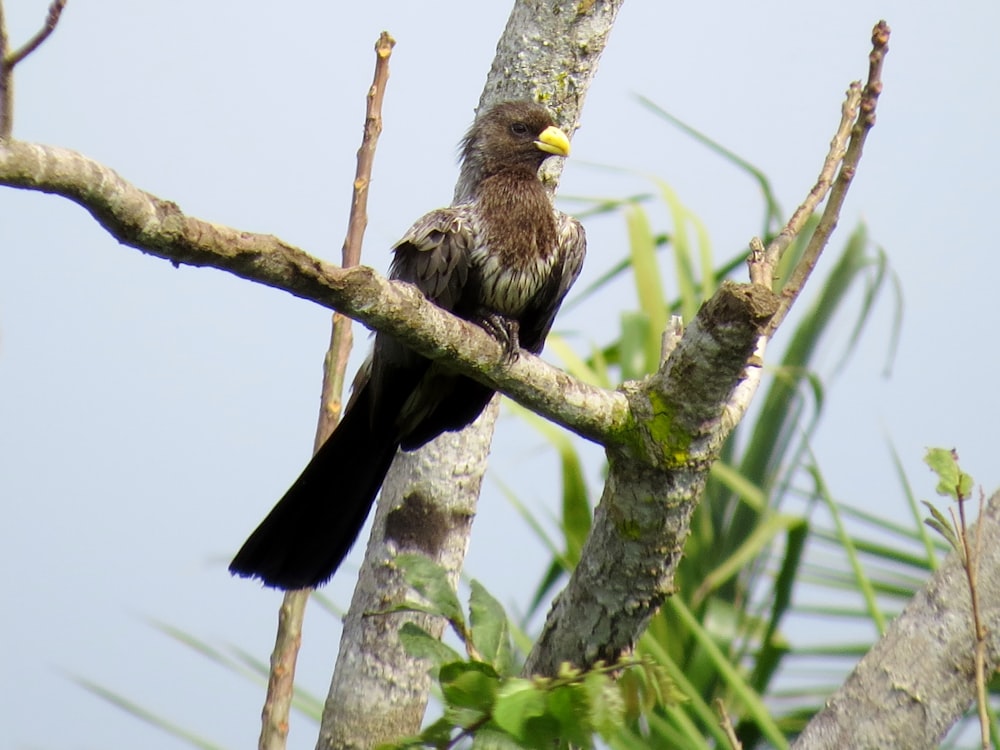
(538, 318)
(434, 254)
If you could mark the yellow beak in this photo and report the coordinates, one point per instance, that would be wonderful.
(553, 141)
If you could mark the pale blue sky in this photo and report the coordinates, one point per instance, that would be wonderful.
(150, 416)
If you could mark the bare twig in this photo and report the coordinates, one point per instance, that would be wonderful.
(6, 83)
(281, 680)
(51, 19)
(970, 562)
(762, 260)
(727, 725)
(8, 61)
(335, 364)
(914, 684)
(838, 191)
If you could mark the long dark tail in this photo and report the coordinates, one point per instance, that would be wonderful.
(309, 532)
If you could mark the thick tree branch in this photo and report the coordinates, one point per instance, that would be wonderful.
(662, 435)
(158, 227)
(919, 679)
(681, 417)
(549, 52)
(628, 562)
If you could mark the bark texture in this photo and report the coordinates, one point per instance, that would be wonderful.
(548, 52)
(919, 679)
(682, 417)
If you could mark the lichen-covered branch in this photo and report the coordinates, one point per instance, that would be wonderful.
(680, 422)
(919, 679)
(680, 418)
(548, 51)
(159, 227)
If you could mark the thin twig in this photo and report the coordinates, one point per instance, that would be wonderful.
(280, 684)
(727, 725)
(838, 191)
(51, 19)
(9, 61)
(335, 364)
(764, 261)
(6, 83)
(970, 561)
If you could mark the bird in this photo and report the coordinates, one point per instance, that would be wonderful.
(500, 256)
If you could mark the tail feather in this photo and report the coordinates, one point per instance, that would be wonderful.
(308, 533)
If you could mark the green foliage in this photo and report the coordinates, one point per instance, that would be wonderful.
(952, 481)
(720, 636)
(485, 700)
(955, 484)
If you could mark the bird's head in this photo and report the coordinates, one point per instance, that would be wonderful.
(517, 134)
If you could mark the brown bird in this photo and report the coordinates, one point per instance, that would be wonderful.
(499, 256)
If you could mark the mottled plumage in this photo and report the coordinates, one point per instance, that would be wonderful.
(500, 256)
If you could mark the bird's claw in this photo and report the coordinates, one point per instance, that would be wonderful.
(505, 331)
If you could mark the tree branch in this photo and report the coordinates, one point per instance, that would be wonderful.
(838, 191)
(549, 52)
(662, 435)
(628, 562)
(51, 19)
(681, 417)
(281, 677)
(919, 679)
(159, 227)
(9, 60)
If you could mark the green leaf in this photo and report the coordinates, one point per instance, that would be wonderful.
(491, 738)
(755, 544)
(517, 701)
(642, 246)
(748, 492)
(730, 674)
(575, 365)
(430, 580)
(942, 525)
(570, 706)
(952, 481)
(632, 345)
(145, 715)
(469, 685)
(772, 214)
(659, 687)
(420, 644)
(607, 706)
(437, 734)
(577, 513)
(687, 284)
(490, 629)
(861, 576)
(931, 558)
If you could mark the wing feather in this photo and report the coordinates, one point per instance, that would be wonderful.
(434, 254)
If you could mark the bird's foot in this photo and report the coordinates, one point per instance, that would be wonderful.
(505, 331)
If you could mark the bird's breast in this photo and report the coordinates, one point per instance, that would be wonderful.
(509, 278)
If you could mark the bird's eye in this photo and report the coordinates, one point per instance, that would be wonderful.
(519, 128)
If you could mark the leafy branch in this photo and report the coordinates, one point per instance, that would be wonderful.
(483, 695)
(956, 484)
